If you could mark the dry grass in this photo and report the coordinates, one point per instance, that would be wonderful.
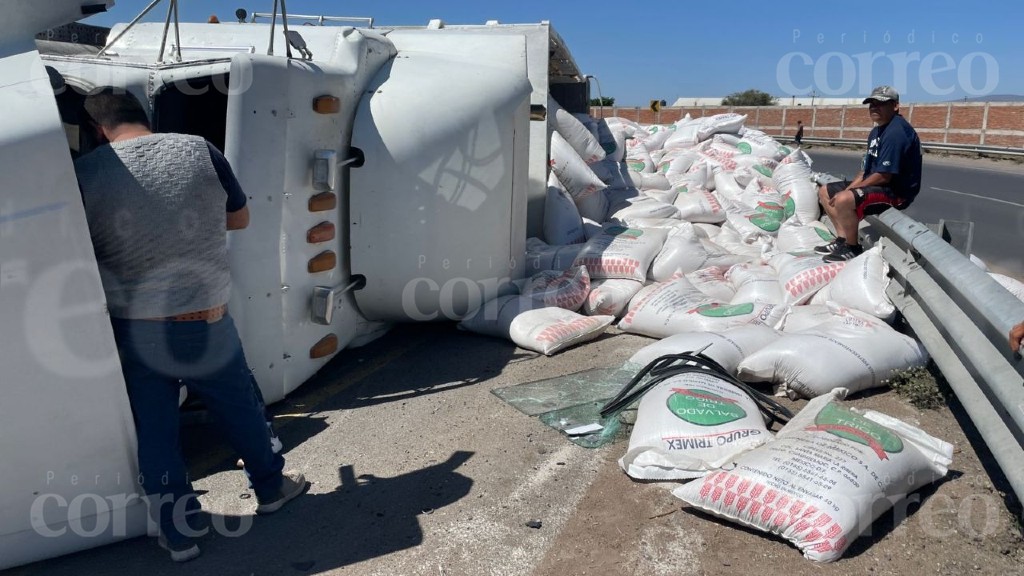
(919, 386)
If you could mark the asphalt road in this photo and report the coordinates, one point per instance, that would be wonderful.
(986, 192)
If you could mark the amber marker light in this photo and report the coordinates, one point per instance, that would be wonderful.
(322, 262)
(325, 347)
(322, 232)
(326, 105)
(323, 202)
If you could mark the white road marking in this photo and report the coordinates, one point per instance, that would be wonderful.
(977, 196)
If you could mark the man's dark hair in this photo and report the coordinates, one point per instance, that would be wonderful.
(110, 108)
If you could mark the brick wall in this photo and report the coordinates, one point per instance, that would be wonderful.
(982, 123)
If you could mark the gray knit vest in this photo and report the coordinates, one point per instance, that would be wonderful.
(155, 209)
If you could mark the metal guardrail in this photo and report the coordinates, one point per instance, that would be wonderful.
(962, 316)
(932, 146)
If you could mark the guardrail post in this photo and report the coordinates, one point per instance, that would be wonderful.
(958, 234)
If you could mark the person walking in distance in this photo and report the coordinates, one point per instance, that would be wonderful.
(158, 206)
(798, 138)
(890, 176)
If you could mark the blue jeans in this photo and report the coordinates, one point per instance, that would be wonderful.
(157, 357)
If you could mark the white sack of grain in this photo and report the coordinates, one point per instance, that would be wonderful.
(594, 206)
(562, 222)
(656, 135)
(682, 253)
(828, 474)
(802, 276)
(567, 289)
(797, 238)
(729, 123)
(668, 196)
(861, 285)
(677, 306)
(862, 352)
(495, 317)
(798, 318)
(629, 210)
(713, 283)
(571, 170)
(610, 296)
(691, 424)
(728, 348)
(697, 204)
(755, 283)
(551, 330)
(541, 256)
(575, 133)
(621, 252)
(638, 157)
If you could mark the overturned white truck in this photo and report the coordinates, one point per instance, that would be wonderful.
(392, 174)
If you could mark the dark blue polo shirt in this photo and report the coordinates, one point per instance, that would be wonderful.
(896, 149)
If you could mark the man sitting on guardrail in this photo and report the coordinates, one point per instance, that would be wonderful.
(890, 176)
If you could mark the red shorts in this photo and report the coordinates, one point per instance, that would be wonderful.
(869, 199)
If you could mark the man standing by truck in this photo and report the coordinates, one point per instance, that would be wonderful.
(156, 204)
(890, 176)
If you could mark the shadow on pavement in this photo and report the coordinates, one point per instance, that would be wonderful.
(366, 517)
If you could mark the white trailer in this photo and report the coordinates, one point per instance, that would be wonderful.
(392, 176)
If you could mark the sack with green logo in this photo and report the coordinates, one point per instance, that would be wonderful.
(826, 477)
(800, 239)
(795, 179)
(694, 416)
(678, 306)
(638, 157)
(689, 425)
(759, 144)
(621, 252)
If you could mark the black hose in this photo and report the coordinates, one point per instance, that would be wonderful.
(664, 367)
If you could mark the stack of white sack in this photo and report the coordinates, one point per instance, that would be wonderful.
(702, 225)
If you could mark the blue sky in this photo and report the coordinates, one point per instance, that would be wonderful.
(930, 50)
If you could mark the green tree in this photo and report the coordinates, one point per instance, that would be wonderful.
(750, 97)
(603, 101)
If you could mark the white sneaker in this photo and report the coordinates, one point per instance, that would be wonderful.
(183, 552)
